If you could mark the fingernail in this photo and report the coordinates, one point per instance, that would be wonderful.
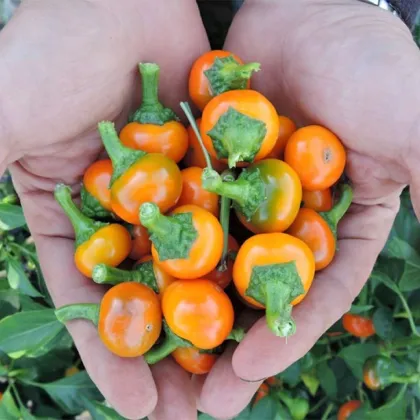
(251, 382)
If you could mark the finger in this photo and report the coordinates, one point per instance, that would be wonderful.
(127, 384)
(224, 395)
(176, 399)
(362, 235)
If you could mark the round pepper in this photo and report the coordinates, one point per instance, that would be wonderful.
(154, 128)
(198, 311)
(129, 318)
(347, 409)
(358, 325)
(222, 274)
(193, 360)
(274, 271)
(194, 193)
(239, 126)
(96, 242)
(317, 156)
(188, 243)
(318, 200)
(195, 155)
(262, 392)
(287, 128)
(95, 193)
(216, 72)
(139, 177)
(266, 196)
(145, 271)
(140, 242)
(319, 230)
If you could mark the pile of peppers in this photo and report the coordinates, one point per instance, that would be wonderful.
(187, 225)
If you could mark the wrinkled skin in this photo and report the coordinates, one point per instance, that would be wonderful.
(347, 65)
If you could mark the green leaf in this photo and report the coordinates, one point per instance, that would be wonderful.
(11, 216)
(18, 280)
(266, 408)
(311, 382)
(384, 323)
(291, 375)
(355, 356)
(346, 382)
(24, 332)
(62, 340)
(410, 278)
(327, 379)
(99, 411)
(8, 408)
(360, 309)
(394, 409)
(28, 304)
(68, 392)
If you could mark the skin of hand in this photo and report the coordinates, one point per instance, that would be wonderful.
(355, 69)
(65, 66)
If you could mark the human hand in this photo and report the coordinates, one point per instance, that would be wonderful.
(65, 66)
(354, 69)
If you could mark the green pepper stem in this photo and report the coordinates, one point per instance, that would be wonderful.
(81, 223)
(237, 334)
(225, 203)
(104, 274)
(116, 151)
(88, 311)
(342, 205)
(158, 353)
(410, 379)
(188, 113)
(239, 72)
(236, 190)
(154, 221)
(150, 83)
(279, 310)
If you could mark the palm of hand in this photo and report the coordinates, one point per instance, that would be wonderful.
(340, 66)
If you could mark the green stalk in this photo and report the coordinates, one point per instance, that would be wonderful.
(151, 110)
(225, 204)
(188, 113)
(158, 353)
(122, 157)
(89, 311)
(83, 226)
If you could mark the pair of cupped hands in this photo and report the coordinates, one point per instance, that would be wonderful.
(346, 65)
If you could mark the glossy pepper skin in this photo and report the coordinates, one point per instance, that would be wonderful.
(377, 372)
(287, 128)
(239, 126)
(274, 271)
(266, 196)
(317, 155)
(198, 311)
(318, 230)
(95, 194)
(191, 360)
(318, 200)
(96, 242)
(188, 243)
(154, 128)
(140, 242)
(358, 325)
(236, 75)
(194, 193)
(195, 155)
(139, 177)
(347, 409)
(129, 318)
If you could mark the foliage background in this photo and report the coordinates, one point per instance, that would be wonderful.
(42, 376)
